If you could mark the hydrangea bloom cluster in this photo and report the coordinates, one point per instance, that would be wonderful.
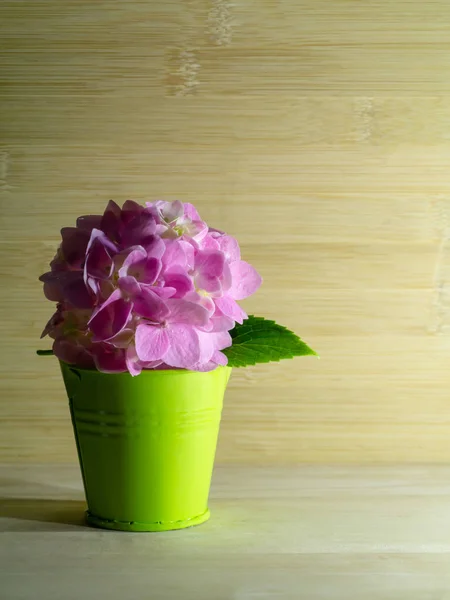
(145, 287)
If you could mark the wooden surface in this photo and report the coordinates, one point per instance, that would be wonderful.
(317, 132)
(275, 533)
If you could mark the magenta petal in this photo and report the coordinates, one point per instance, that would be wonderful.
(130, 210)
(164, 292)
(77, 294)
(110, 320)
(111, 221)
(72, 353)
(55, 320)
(152, 342)
(89, 222)
(245, 280)
(184, 346)
(73, 246)
(188, 313)
(151, 270)
(99, 263)
(139, 231)
(67, 286)
(129, 286)
(230, 308)
(135, 256)
(149, 305)
(178, 278)
(109, 359)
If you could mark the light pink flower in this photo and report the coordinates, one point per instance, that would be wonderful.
(146, 287)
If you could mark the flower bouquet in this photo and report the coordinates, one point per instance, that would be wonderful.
(147, 328)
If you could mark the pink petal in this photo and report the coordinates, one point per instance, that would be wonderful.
(149, 305)
(164, 292)
(198, 230)
(206, 301)
(206, 346)
(154, 246)
(209, 243)
(230, 247)
(209, 263)
(220, 358)
(191, 212)
(171, 211)
(122, 339)
(209, 284)
(226, 279)
(178, 279)
(110, 319)
(204, 367)
(152, 342)
(109, 359)
(221, 323)
(188, 313)
(189, 249)
(221, 339)
(230, 308)
(174, 254)
(134, 365)
(245, 280)
(184, 346)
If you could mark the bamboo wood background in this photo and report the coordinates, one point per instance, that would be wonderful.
(316, 132)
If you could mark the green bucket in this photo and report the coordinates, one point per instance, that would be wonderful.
(146, 444)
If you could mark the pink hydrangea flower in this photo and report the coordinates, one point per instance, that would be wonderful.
(146, 287)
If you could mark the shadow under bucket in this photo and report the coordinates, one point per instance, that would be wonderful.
(146, 444)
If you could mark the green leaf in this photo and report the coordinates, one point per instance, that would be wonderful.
(44, 352)
(260, 340)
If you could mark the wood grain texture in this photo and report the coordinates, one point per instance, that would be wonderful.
(316, 132)
(275, 534)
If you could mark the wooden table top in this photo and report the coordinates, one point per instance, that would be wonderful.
(275, 533)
